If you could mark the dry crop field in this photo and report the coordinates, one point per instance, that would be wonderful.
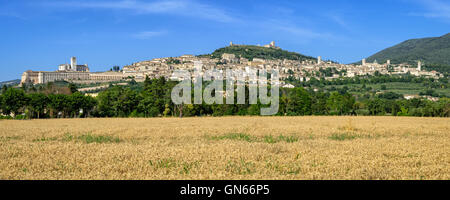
(226, 148)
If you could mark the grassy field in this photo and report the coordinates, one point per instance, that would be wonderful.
(226, 148)
(397, 87)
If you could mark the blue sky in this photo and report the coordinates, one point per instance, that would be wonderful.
(41, 34)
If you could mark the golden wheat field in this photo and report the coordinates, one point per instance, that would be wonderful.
(226, 148)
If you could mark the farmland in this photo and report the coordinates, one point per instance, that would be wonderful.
(397, 87)
(226, 148)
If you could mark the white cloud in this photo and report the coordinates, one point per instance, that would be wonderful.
(175, 7)
(435, 9)
(303, 32)
(148, 34)
(340, 21)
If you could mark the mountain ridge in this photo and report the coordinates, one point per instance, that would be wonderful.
(10, 82)
(430, 50)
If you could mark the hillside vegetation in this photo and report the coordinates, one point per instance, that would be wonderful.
(431, 51)
(250, 52)
(10, 83)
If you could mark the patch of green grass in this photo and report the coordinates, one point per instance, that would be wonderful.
(187, 167)
(235, 136)
(342, 136)
(248, 138)
(67, 137)
(288, 139)
(163, 163)
(88, 138)
(270, 139)
(242, 167)
(8, 138)
(45, 139)
(372, 136)
(294, 170)
(169, 163)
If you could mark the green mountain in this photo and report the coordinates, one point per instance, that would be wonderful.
(431, 51)
(250, 52)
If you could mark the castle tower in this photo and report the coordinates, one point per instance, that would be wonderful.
(231, 44)
(388, 62)
(73, 63)
(319, 60)
(272, 44)
(419, 66)
(364, 62)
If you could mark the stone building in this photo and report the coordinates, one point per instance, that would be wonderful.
(68, 72)
(73, 66)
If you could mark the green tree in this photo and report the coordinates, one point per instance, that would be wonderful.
(376, 106)
(335, 103)
(4, 88)
(37, 104)
(106, 101)
(1, 103)
(126, 102)
(148, 105)
(319, 103)
(88, 105)
(166, 110)
(13, 101)
(72, 87)
(298, 102)
(75, 104)
(116, 68)
(59, 105)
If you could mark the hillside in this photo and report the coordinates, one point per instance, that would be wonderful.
(431, 51)
(10, 83)
(250, 52)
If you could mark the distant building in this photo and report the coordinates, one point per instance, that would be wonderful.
(68, 72)
(229, 58)
(73, 66)
(271, 45)
(39, 77)
(288, 86)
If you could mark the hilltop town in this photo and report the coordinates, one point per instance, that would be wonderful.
(293, 65)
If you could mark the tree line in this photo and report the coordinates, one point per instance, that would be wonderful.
(152, 99)
(377, 78)
(19, 104)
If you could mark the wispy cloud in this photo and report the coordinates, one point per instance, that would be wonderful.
(175, 7)
(338, 19)
(303, 32)
(296, 30)
(434, 9)
(148, 34)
